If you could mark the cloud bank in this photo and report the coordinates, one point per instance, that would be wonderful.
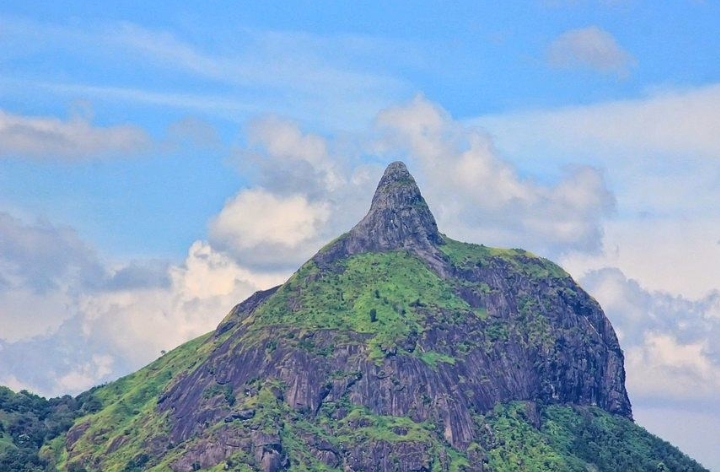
(669, 341)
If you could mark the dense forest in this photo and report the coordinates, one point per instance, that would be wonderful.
(28, 421)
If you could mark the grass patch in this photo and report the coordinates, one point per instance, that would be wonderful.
(432, 358)
(385, 295)
(467, 256)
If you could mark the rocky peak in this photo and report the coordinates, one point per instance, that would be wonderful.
(399, 218)
(387, 363)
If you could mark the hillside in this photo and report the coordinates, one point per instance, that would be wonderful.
(393, 348)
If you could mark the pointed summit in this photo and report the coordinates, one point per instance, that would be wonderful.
(399, 218)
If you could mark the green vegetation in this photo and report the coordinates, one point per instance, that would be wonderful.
(385, 295)
(517, 436)
(432, 358)
(611, 442)
(28, 421)
(466, 255)
(572, 438)
(129, 417)
(392, 302)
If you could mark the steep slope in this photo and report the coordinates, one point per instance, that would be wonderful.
(393, 348)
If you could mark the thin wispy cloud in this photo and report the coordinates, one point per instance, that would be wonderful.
(249, 72)
(73, 139)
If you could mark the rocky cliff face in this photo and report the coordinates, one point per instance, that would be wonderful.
(385, 351)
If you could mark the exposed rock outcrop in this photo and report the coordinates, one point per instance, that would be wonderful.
(399, 219)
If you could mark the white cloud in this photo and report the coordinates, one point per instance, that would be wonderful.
(674, 123)
(265, 231)
(86, 375)
(291, 160)
(261, 228)
(664, 367)
(70, 321)
(138, 323)
(25, 312)
(308, 191)
(589, 47)
(672, 254)
(670, 342)
(15, 384)
(660, 153)
(672, 358)
(41, 268)
(313, 189)
(73, 139)
(43, 256)
(481, 197)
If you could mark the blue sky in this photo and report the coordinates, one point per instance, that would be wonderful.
(159, 162)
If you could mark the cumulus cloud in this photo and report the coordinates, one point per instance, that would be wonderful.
(663, 365)
(669, 341)
(138, 274)
(94, 335)
(74, 139)
(671, 357)
(307, 192)
(482, 197)
(310, 189)
(261, 228)
(671, 253)
(24, 313)
(646, 144)
(87, 374)
(139, 323)
(592, 48)
(289, 160)
(42, 266)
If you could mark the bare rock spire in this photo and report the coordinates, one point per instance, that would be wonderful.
(399, 218)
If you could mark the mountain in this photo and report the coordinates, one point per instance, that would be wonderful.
(394, 348)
